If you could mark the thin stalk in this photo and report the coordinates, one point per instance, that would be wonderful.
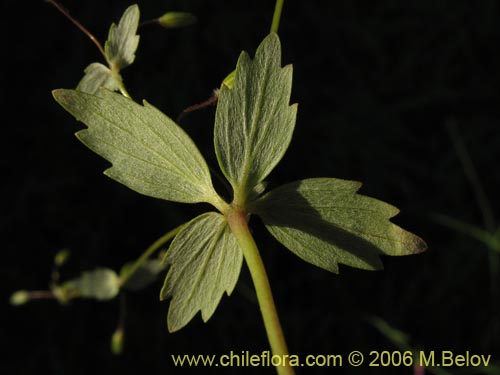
(150, 251)
(41, 294)
(65, 12)
(155, 21)
(238, 223)
(124, 91)
(115, 70)
(277, 16)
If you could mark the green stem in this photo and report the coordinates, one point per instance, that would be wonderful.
(238, 223)
(118, 78)
(150, 251)
(277, 16)
(124, 92)
(65, 12)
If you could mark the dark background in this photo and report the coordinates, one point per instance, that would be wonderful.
(379, 85)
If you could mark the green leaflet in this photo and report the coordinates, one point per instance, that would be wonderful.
(96, 76)
(122, 39)
(149, 152)
(254, 121)
(324, 222)
(101, 284)
(205, 261)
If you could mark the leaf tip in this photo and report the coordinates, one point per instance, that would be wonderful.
(272, 43)
(272, 38)
(110, 172)
(172, 329)
(162, 295)
(173, 323)
(170, 326)
(411, 244)
(60, 95)
(419, 245)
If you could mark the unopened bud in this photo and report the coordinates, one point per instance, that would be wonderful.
(117, 341)
(19, 298)
(61, 257)
(172, 20)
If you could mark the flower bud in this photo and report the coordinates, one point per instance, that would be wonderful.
(117, 341)
(172, 20)
(19, 298)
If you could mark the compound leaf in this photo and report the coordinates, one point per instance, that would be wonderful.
(97, 75)
(325, 222)
(149, 152)
(122, 39)
(205, 261)
(254, 121)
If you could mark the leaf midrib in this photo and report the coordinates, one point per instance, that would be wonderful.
(201, 273)
(255, 116)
